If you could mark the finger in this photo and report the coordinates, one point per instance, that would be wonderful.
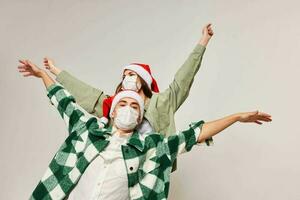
(264, 114)
(28, 74)
(23, 70)
(29, 62)
(208, 25)
(23, 62)
(258, 122)
(266, 119)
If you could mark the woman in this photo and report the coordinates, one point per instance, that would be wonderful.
(160, 108)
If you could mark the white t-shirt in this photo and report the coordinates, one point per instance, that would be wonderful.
(106, 176)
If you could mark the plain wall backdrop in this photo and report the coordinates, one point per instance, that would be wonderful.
(252, 62)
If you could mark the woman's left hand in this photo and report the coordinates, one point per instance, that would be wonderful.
(256, 117)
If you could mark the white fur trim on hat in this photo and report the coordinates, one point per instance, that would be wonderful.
(144, 74)
(130, 94)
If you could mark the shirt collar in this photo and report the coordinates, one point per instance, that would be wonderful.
(134, 140)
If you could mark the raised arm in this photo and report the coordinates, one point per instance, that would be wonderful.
(180, 87)
(74, 116)
(86, 96)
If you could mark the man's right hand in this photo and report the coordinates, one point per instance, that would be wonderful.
(27, 68)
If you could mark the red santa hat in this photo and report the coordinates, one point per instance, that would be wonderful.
(144, 71)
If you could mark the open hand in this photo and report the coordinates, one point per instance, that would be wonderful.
(256, 117)
(27, 68)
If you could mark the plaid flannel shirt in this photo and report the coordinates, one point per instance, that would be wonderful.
(148, 160)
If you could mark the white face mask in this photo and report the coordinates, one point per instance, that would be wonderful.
(130, 83)
(127, 118)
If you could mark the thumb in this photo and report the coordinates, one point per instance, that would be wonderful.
(255, 112)
(29, 63)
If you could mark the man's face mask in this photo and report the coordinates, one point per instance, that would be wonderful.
(127, 118)
(130, 83)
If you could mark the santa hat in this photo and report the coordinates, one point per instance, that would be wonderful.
(131, 94)
(143, 70)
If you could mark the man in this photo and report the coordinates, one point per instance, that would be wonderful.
(143, 162)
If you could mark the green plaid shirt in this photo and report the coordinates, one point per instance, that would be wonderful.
(148, 160)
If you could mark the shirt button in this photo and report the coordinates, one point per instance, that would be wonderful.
(131, 168)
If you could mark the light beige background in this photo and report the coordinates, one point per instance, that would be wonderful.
(251, 63)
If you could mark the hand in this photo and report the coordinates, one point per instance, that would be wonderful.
(256, 117)
(207, 33)
(49, 65)
(27, 68)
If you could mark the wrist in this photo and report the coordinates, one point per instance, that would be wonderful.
(42, 73)
(204, 41)
(236, 117)
(55, 71)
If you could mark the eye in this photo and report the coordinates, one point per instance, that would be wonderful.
(122, 104)
(135, 107)
(132, 74)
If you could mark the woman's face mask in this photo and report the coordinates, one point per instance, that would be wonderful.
(130, 83)
(127, 118)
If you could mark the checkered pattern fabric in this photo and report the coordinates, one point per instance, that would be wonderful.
(148, 160)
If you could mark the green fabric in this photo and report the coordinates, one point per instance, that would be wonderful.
(148, 161)
(161, 108)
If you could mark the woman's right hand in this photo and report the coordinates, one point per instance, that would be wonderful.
(27, 68)
(49, 65)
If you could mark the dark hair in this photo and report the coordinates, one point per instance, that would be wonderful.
(147, 91)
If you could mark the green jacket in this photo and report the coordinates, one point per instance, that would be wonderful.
(160, 110)
(148, 161)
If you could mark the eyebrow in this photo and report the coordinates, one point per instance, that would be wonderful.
(134, 103)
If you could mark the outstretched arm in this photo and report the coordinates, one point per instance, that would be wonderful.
(74, 116)
(212, 128)
(200, 131)
(87, 97)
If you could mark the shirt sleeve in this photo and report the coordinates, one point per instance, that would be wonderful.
(74, 116)
(87, 97)
(183, 141)
(179, 89)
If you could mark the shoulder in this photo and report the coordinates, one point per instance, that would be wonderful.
(153, 139)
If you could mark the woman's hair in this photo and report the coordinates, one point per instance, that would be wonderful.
(147, 91)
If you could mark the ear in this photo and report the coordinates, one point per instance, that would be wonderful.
(113, 114)
(139, 119)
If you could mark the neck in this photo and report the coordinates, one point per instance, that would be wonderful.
(123, 132)
(141, 93)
